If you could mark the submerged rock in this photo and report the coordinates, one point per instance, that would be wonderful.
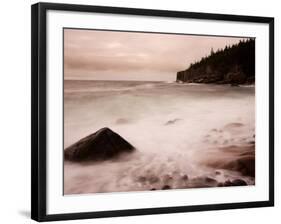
(142, 179)
(169, 122)
(236, 182)
(166, 187)
(217, 172)
(201, 182)
(101, 145)
(184, 177)
(239, 182)
(153, 179)
(167, 179)
(122, 121)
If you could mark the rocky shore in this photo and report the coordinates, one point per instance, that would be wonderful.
(235, 76)
(230, 164)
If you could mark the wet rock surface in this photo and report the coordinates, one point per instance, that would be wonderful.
(102, 145)
(227, 153)
(236, 182)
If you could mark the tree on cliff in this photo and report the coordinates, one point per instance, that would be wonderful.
(238, 58)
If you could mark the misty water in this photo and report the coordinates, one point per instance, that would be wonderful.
(185, 135)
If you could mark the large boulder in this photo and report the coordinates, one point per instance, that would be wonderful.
(101, 145)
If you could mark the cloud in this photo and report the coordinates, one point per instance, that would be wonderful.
(93, 52)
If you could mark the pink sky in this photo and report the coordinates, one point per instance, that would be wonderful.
(110, 55)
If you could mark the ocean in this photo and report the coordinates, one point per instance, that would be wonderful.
(186, 135)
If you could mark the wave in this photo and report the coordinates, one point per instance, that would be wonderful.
(248, 86)
(111, 89)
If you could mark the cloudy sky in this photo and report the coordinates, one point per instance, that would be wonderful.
(109, 55)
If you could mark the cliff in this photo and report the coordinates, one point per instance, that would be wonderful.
(231, 65)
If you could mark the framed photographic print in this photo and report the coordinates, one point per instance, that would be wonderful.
(140, 111)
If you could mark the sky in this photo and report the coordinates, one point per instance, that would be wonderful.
(113, 55)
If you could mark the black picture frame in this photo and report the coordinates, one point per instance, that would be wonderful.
(39, 116)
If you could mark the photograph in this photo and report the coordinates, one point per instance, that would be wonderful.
(145, 111)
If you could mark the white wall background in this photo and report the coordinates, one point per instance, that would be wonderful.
(15, 110)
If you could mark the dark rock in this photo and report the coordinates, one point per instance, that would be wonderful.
(250, 80)
(241, 159)
(236, 182)
(101, 145)
(184, 177)
(235, 78)
(245, 165)
(166, 187)
(167, 178)
(153, 189)
(202, 181)
(141, 179)
(172, 121)
(153, 179)
(239, 182)
(210, 180)
(227, 183)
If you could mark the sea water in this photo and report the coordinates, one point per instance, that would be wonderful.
(176, 129)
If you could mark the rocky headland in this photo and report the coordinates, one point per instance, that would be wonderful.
(233, 65)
